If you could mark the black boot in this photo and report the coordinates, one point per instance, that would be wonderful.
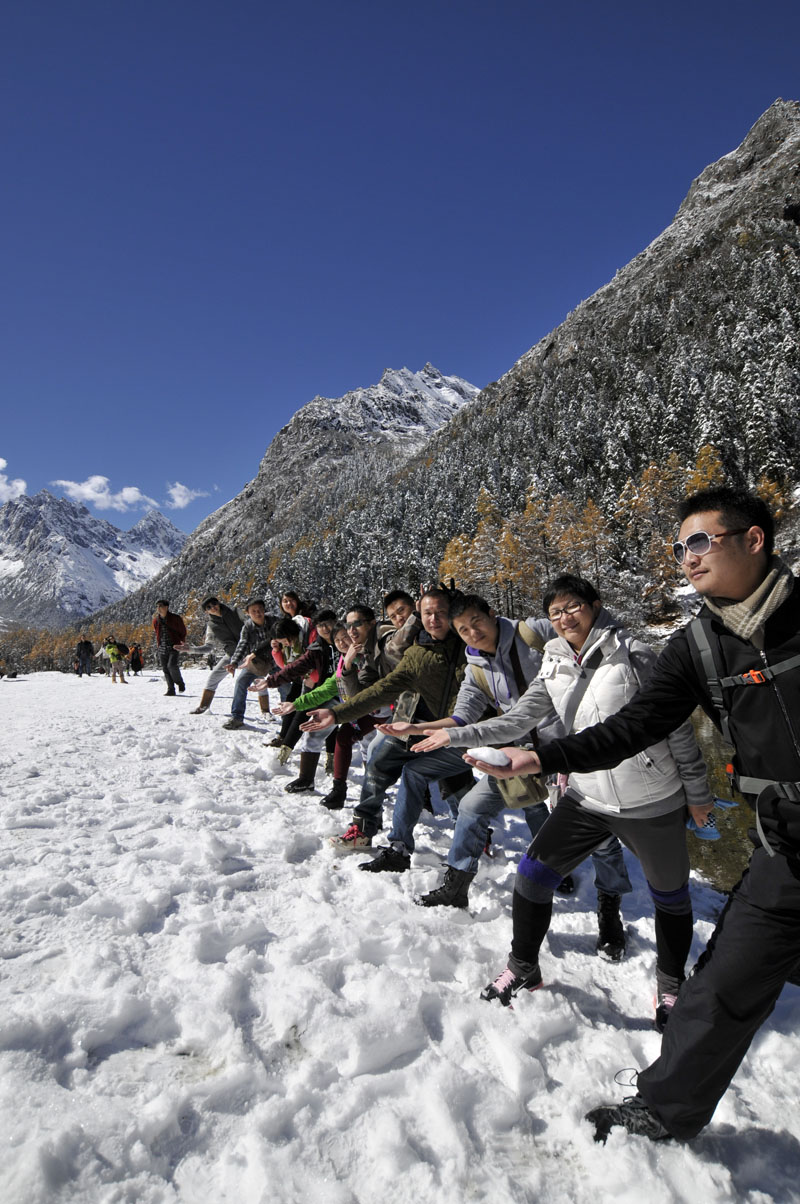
(391, 859)
(337, 797)
(508, 985)
(611, 934)
(632, 1114)
(308, 767)
(454, 891)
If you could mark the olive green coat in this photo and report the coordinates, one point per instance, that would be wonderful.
(432, 669)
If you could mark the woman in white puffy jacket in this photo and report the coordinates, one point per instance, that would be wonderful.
(591, 669)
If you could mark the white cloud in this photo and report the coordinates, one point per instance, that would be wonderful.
(181, 495)
(95, 492)
(10, 489)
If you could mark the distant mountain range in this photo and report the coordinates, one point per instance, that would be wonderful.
(58, 563)
(695, 341)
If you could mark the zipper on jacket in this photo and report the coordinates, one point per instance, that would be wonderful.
(783, 707)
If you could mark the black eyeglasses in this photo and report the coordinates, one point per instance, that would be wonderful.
(699, 543)
(359, 623)
(572, 609)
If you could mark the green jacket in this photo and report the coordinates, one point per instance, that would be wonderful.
(433, 669)
(324, 692)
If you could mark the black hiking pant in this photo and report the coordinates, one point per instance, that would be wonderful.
(568, 836)
(734, 987)
(171, 668)
(290, 724)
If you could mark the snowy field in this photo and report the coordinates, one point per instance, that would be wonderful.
(201, 1002)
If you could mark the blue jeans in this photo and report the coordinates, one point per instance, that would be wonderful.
(243, 679)
(375, 744)
(480, 805)
(383, 769)
(610, 874)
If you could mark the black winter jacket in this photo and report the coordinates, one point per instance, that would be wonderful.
(764, 719)
(225, 628)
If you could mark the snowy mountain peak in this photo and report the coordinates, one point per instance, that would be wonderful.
(155, 533)
(331, 450)
(58, 562)
(404, 405)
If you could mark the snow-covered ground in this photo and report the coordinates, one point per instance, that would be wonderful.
(201, 1002)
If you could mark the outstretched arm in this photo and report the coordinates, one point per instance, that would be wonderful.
(515, 724)
(659, 707)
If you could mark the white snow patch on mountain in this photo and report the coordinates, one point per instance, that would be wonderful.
(11, 568)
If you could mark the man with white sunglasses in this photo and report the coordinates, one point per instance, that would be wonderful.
(740, 661)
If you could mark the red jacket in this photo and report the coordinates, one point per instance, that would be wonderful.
(176, 628)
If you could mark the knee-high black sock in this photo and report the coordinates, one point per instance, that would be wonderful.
(673, 941)
(531, 922)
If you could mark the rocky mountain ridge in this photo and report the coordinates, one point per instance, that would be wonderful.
(313, 464)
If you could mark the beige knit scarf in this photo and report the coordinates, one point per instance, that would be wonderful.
(747, 618)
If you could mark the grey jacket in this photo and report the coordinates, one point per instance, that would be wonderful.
(498, 669)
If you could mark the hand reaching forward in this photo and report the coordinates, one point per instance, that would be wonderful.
(438, 738)
(317, 720)
(400, 729)
(521, 763)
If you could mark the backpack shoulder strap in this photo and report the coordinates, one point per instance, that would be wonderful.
(698, 632)
(481, 681)
(530, 636)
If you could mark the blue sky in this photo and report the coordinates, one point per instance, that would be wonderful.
(212, 212)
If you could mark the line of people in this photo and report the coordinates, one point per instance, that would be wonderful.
(540, 678)
(575, 708)
(425, 682)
